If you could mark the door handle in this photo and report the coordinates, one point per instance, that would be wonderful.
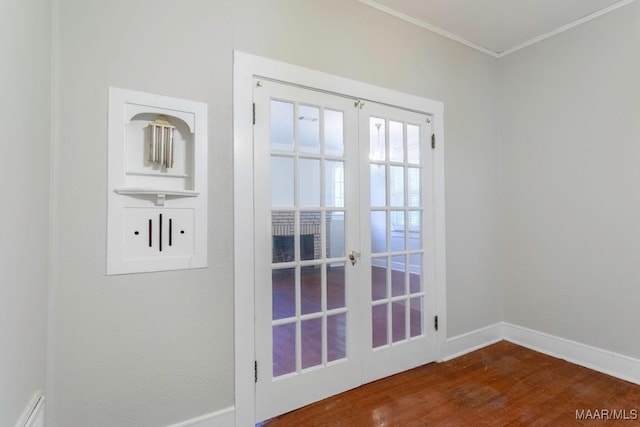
(354, 256)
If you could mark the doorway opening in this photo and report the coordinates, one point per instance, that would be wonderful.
(343, 266)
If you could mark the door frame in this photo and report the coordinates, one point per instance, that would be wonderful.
(245, 68)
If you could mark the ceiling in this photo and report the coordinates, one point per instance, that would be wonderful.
(497, 27)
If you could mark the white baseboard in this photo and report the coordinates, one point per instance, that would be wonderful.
(472, 341)
(222, 418)
(33, 415)
(607, 362)
(610, 363)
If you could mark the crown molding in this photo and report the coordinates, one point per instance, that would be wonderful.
(452, 36)
(422, 24)
(564, 28)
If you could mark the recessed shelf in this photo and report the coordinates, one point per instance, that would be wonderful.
(154, 191)
(157, 217)
(159, 173)
(160, 194)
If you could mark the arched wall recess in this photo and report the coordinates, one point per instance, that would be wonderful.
(157, 184)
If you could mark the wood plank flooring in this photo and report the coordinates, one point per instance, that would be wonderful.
(500, 385)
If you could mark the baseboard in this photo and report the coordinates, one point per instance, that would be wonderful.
(222, 418)
(472, 341)
(607, 362)
(610, 363)
(33, 415)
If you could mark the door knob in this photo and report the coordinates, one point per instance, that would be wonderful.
(354, 257)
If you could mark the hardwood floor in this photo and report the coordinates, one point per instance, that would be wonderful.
(500, 385)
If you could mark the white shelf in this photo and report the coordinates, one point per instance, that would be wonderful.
(158, 173)
(147, 203)
(132, 191)
(160, 194)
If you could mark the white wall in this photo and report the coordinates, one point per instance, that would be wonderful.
(153, 349)
(571, 183)
(25, 88)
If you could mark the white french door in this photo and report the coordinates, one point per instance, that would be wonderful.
(305, 222)
(397, 283)
(343, 244)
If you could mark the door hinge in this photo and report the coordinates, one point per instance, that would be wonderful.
(435, 323)
(433, 140)
(254, 113)
(255, 371)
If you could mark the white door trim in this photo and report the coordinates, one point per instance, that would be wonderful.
(246, 67)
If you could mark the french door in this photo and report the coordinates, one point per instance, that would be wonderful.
(397, 284)
(343, 244)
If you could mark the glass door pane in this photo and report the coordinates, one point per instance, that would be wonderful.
(306, 177)
(307, 235)
(396, 285)
(396, 169)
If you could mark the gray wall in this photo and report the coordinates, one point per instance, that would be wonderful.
(571, 183)
(152, 349)
(25, 106)
(140, 349)
(351, 40)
